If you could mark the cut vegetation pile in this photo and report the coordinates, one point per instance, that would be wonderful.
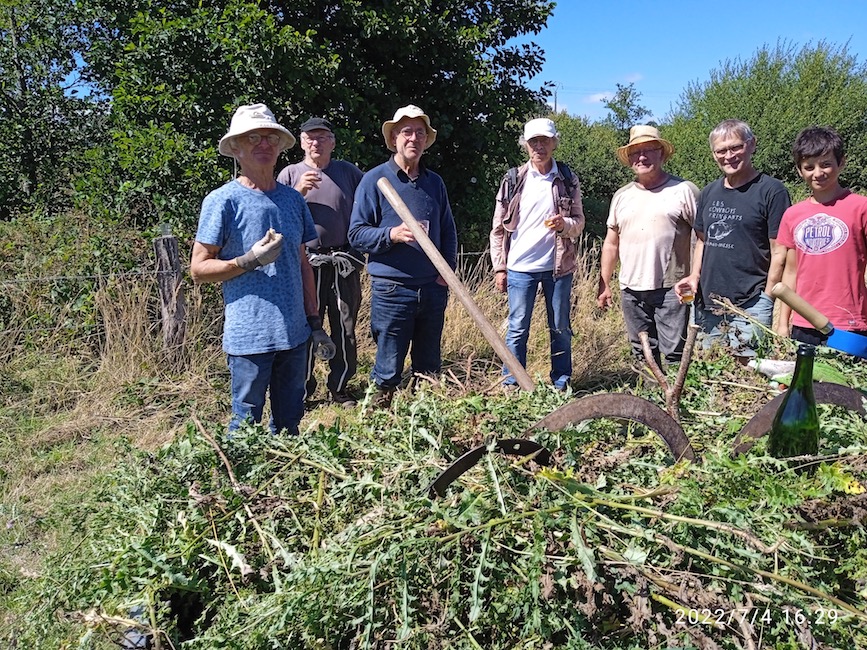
(129, 517)
(331, 541)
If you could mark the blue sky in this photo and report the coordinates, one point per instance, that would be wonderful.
(661, 47)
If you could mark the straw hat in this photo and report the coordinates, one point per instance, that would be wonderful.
(249, 118)
(411, 111)
(639, 134)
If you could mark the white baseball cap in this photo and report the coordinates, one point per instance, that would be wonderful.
(540, 126)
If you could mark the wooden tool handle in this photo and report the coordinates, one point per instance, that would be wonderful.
(816, 318)
(488, 330)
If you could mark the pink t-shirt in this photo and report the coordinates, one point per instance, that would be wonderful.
(831, 244)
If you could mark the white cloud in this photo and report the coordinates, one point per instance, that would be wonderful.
(598, 97)
(634, 77)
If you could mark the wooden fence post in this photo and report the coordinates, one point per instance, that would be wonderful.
(173, 305)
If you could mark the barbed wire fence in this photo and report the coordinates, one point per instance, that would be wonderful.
(169, 275)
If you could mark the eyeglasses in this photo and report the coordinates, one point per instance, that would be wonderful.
(317, 138)
(643, 152)
(255, 138)
(408, 133)
(733, 150)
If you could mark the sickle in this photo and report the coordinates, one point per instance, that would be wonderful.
(620, 406)
(511, 446)
(825, 393)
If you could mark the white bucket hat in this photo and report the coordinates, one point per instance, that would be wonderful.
(249, 118)
(541, 126)
(410, 111)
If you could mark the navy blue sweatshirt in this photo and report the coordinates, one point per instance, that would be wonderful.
(373, 218)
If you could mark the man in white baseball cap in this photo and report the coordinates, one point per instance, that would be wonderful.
(251, 238)
(537, 216)
(409, 297)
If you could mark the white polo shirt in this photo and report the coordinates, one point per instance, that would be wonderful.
(533, 244)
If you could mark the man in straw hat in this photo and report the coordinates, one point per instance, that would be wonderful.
(649, 231)
(537, 215)
(251, 238)
(736, 255)
(328, 185)
(408, 296)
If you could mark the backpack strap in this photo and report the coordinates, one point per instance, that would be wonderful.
(568, 176)
(511, 180)
(569, 182)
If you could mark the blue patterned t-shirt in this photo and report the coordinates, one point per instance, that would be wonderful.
(264, 307)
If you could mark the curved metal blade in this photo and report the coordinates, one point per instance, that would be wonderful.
(509, 446)
(620, 406)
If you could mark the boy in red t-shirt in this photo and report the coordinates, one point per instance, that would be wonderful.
(826, 241)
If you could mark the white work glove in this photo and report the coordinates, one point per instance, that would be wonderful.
(264, 251)
(323, 346)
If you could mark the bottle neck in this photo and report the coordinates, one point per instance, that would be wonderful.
(803, 375)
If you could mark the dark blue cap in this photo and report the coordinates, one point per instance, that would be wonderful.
(317, 123)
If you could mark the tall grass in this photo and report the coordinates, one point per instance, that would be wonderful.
(49, 362)
(599, 346)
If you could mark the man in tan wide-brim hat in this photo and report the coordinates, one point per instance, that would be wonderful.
(649, 230)
(641, 134)
(408, 296)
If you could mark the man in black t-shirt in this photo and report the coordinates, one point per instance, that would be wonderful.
(736, 255)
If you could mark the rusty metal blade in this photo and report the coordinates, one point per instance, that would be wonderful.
(825, 393)
(625, 407)
(509, 446)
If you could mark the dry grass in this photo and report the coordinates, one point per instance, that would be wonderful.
(599, 346)
(116, 369)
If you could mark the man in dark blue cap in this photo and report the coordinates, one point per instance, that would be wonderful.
(328, 186)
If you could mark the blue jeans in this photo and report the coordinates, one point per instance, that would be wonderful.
(739, 333)
(400, 316)
(253, 374)
(522, 297)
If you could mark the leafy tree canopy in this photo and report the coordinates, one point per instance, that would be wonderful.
(625, 109)
(44, 123)
(779, 91)
(178, 69)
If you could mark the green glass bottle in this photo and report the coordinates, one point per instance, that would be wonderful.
(795, 430)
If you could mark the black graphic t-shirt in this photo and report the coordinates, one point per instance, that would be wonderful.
(738, 225)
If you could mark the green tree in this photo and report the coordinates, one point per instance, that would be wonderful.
(625, 108)
(589, 148)
(45, 125)
(778, 91)
(178, 69)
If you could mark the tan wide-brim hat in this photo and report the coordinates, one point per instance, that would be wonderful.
(640, 134)
(249, 118)
(410, 111)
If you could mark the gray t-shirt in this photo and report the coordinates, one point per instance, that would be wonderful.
(265, 307)
(330, 203)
